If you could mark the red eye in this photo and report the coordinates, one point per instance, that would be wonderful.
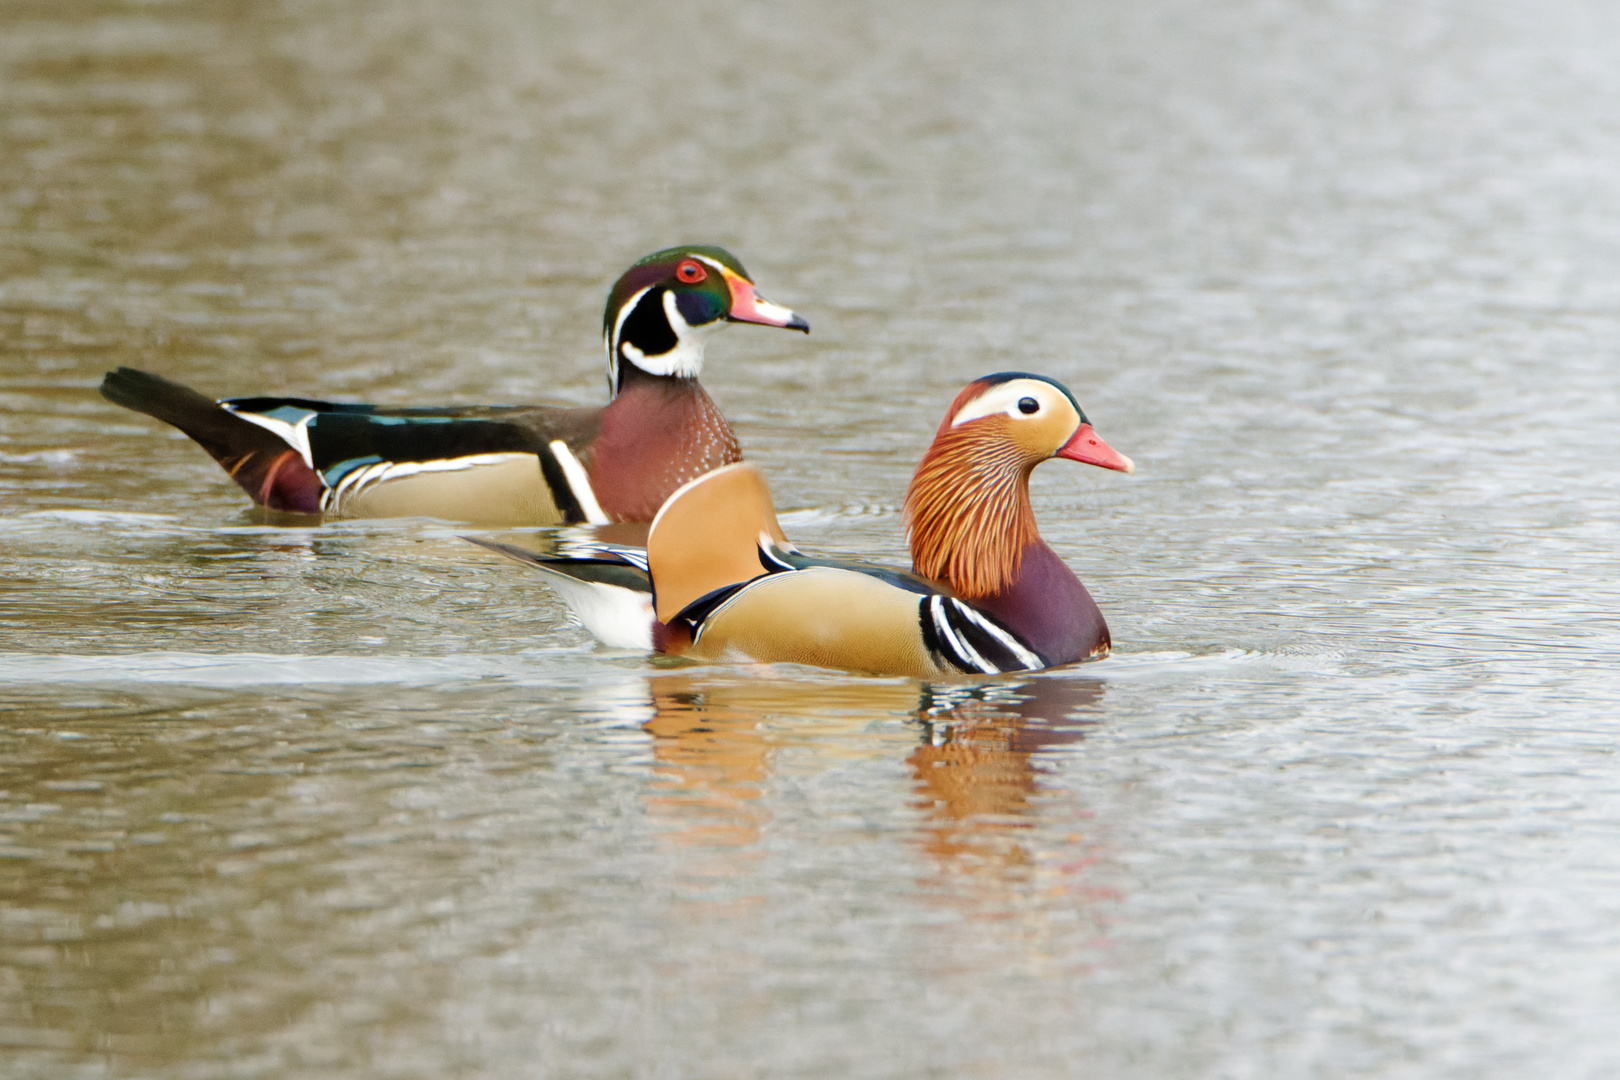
(691, 271)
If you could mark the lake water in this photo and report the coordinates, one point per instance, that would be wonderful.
(355, 800)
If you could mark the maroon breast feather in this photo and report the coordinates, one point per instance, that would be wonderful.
(658, 433)
(1049, 608)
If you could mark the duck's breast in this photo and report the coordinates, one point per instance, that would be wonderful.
(1050, 609)
(655, 436)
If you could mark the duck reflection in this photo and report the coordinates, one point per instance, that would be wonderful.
(975, 771)
(713, 737)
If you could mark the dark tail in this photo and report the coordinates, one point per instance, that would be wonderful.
(259, 460)
(608, 570)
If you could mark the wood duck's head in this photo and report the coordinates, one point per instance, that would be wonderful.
(968, 505)
(664, 307)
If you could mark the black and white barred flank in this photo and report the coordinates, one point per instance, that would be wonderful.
(972, 641)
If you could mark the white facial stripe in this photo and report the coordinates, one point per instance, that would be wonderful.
(624, 312)
(611, 340)
(578, 483)
(677, 321)
(712, 264)
(686, 358)
(1005, 399)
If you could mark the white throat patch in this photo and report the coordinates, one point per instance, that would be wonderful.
(684, 360)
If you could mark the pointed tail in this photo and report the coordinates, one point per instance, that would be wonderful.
(256, 458)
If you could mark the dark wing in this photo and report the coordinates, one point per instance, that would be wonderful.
(343, 437)
(288, 453)
(777, 559)
(340, 439)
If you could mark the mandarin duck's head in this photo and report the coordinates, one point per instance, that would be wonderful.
(659, 313)
(968, 505)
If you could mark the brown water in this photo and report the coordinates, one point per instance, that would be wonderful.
(354, 801)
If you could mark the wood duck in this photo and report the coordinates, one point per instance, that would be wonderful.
(500, 464)
(986, 595)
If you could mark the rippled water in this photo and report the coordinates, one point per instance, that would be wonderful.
(354, 801)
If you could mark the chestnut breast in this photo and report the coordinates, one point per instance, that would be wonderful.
(658, 433)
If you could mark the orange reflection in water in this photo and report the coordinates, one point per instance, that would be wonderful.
(977, 775)
(714, 736)
(975, 771)
(996, 840)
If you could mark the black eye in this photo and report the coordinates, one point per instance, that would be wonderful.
(691, 271)
(1028, 405)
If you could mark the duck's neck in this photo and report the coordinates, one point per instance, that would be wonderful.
(969, 515)
(657, 433)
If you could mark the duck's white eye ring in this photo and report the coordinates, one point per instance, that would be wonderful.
(1028, 406)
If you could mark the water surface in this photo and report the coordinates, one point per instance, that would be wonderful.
(354, 800)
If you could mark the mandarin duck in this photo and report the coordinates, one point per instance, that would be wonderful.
(719, 581)
(500, 464)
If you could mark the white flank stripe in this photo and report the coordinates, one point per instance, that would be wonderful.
(942, 623)
(358, 480)
(294, 435)
(1025, 657)
(333, 498)
(578, 483)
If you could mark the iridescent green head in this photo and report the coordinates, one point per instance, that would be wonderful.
(659, 313)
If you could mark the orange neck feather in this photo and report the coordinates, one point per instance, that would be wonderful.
(968, 511)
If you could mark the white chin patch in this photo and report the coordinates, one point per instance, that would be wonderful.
(686, 358)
